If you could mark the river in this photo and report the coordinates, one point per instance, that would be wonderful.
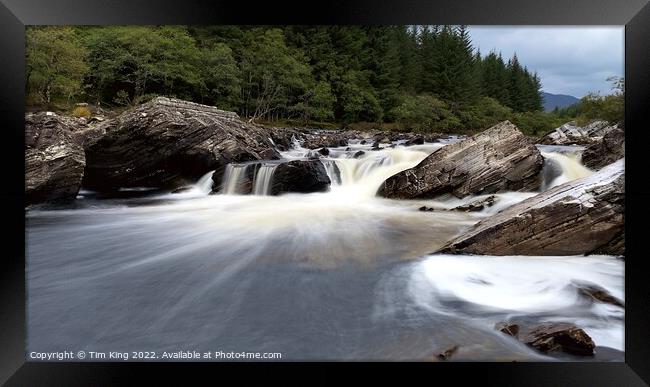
(339, 275)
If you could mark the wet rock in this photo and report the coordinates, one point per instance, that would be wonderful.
(375, 145)
(498, 159)
(605, 151)
(507, 328)
(169, 142)
(582, 216)
(596, 293)
(359, 154)
(447, 353)
(362, 142)
(425, 209)
(477, 205)
(300, 176)
(419, 140)
(558, 337)
(54, 161)
(324, 151)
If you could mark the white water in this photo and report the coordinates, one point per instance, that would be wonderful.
(332, 275)
(233, 178)
(571, 167)
(263, 179)
(520, 286)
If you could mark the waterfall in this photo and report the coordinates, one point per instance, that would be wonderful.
(560, 168)
(263, 179)
(364, 175)
(332, 171)
(204, 184)
(233, 178)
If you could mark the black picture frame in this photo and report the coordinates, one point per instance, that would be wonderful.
(634, 14)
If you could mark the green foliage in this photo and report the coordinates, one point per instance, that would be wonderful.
(55, 63)
(425, 113)
(421, 77)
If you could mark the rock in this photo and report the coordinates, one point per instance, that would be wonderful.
(594, 292)
(324, 151)
(507, 328)
(447, 353)
(362, 142)
(54, 161)
(572, 134)
(419, 140)
(606, 151)
(498, 159)
(359, 154)
(558, 337)
(375, 145)
(577, 217)
(425, 209)
(169, 142)
(300, 176)
(476, 205)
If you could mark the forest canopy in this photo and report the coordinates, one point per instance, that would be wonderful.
(425, 78)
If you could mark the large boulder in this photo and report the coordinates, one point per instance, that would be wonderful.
(582, 216)
(54, 161)
(571, 133)
(606, 151)
(169, 143)
(500, 158)
(302, 176)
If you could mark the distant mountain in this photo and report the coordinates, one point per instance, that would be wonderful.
(550, 101)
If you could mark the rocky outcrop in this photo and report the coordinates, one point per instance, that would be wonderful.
(500, 158)
(579, 217)
(168, 143)
(302, 176)
(572, 134)
(54, 161)
(608, 149)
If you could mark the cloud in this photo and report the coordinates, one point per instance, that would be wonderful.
(569, 60)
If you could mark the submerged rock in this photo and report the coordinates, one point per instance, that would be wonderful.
(324, 151)
(582, 216)
(551, 337)
(500, 158)
(594, 292)
(170, 142)
(558, 337)
(447, 353)
(302, 176)
(507, 328)
(54, 161)
(605, 151)
(477, 205)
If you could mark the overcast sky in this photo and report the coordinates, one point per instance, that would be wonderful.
(569, 60)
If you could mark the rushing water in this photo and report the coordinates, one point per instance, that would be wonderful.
(335, 275)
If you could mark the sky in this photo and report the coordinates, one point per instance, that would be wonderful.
(569, 60)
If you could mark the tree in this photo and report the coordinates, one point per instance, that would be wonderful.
(55, 62)
(142, 60)
(220, 82)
